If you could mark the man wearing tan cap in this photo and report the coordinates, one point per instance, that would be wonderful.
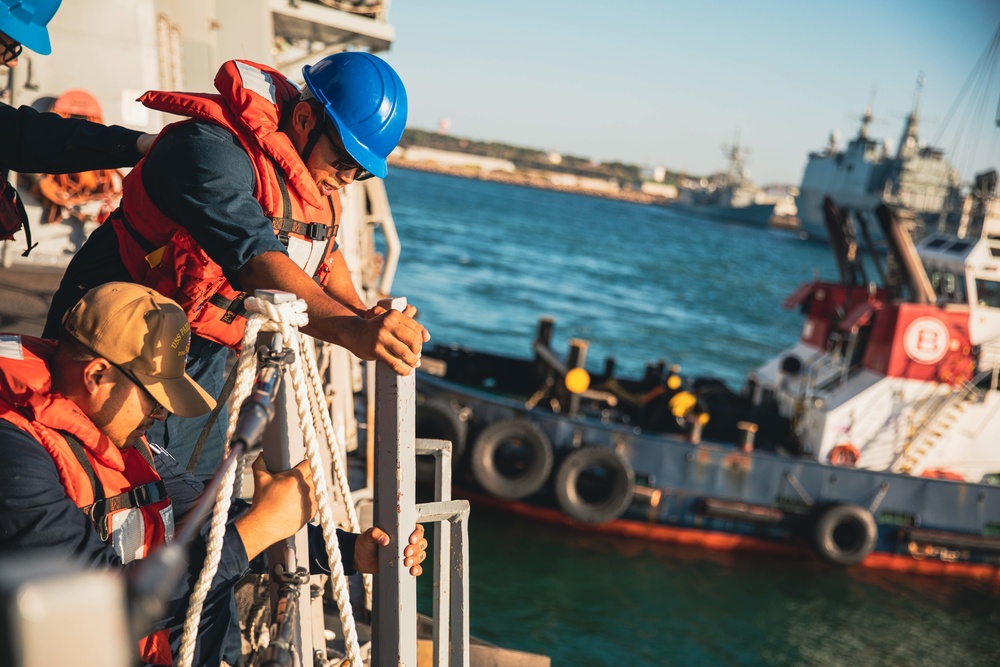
(76, 472)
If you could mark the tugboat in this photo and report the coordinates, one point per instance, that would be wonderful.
(870, 442)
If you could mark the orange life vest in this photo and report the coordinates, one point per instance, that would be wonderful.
(117, 488)
(88, 196)
(161, 254)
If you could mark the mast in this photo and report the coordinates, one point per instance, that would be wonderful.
(866, 122)
(908, 142)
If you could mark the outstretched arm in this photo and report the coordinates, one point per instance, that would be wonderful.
(200, 176)
(33, 142)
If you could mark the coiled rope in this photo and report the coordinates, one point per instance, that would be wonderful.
(285, 319)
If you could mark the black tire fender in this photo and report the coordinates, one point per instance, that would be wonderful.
(518, 476)
(844, 534)
(618, 486)
(443, 419)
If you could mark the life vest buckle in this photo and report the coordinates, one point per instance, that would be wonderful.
(317, 231)
(140, 496)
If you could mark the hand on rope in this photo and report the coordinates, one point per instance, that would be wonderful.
(367, 545)
(282, 503)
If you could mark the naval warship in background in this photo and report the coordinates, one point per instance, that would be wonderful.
(917, 178)
(729, 196)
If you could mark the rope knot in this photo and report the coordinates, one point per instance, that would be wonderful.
(291, 313)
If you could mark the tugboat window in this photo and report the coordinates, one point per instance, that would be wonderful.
(950, 287)
(988, 293)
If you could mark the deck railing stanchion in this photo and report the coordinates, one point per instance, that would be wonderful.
(394, 608)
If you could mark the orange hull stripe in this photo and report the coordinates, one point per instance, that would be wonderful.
(731, 542)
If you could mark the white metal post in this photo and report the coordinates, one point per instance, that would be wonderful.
(394, 612)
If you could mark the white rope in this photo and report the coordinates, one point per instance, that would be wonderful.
(244, 382)
(341, 592)
(336, 444)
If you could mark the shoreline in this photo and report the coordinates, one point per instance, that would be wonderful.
(540, 181)
(537, 180)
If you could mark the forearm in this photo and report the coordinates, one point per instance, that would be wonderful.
(340, 287)
(48, 143)
(329, 319)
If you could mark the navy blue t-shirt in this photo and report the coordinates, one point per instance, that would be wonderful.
(199, 176)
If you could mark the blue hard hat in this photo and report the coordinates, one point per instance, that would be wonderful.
(25, 21)
(365, 100)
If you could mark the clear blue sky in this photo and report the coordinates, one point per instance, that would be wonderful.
(668, 82)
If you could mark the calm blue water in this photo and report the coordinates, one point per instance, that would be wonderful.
(482, 262)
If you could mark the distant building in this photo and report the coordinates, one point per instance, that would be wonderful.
(657, 174)
(660, 190)
(783, 197)
(453, 159)
(554, 158)
(584, 182)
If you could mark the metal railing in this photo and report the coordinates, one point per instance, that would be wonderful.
(394, 605)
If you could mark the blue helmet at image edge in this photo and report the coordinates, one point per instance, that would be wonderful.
(26, 21)
(365, 100)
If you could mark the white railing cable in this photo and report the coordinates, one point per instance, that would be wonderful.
(341, 592)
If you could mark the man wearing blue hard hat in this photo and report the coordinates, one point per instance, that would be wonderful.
(47, 143)
(243, 195)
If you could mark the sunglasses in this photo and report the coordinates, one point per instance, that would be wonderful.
(156, 404)
(11, 51)
(344, 162)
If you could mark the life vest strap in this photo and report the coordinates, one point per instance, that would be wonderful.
(98, 511)
(234, 307)
(286, 225)
(316, 231)
(143, 242)
(140, 496)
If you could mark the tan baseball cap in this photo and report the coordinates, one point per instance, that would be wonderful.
(147, 335)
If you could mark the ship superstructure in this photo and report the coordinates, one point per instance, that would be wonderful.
(866, 174)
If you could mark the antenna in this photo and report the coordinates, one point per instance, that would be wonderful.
(919, 89)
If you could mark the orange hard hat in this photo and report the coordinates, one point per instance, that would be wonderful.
(78, 103)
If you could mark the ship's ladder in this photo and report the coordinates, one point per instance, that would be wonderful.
(937, 419)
